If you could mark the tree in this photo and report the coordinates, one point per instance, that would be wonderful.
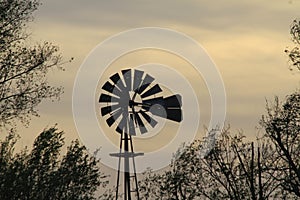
(23, 67)
(294, 53)
(234, 169)
(282, 127)
(43, 174)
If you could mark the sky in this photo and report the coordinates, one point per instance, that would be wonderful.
(245, 40)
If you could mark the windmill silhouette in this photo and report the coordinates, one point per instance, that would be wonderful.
(129, 101)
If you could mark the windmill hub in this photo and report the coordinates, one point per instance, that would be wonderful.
(135, 102)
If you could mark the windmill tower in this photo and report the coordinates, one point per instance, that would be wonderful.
(128, 102)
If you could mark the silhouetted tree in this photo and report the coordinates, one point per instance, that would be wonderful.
(23, 67)
(294, 53)
(43, 173)
(282, 127)
(234, 169)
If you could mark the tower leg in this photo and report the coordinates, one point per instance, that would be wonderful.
(134, 170)
(119, 165)
(126, 169)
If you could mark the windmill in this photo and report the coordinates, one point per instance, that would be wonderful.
(128, 102)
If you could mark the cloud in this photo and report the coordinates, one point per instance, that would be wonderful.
(245, 38)
(213, 15)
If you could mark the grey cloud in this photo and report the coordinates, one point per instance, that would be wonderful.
(212, 15)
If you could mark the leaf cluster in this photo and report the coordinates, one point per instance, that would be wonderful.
(294, 53)
(23, 66)
(43, 173)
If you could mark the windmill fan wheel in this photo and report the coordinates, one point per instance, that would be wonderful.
(130, 96)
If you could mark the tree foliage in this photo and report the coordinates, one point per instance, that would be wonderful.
(43, 173)
(234, 169)
(23, 66)
(294, 53)
(282, 126)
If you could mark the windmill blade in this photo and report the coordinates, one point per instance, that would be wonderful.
(122, 124)
(174, 115)
(146, 82)
(173, 101)
(117, 81)
(107, 98)
(119, 130)
(137, 79)
(131, 125)
(108, 87)
(115, 78)
(154, 90)
(140, 123)
(149, 119)
(109, 109)
(111, 88)
(127, 76)
(114, 117)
